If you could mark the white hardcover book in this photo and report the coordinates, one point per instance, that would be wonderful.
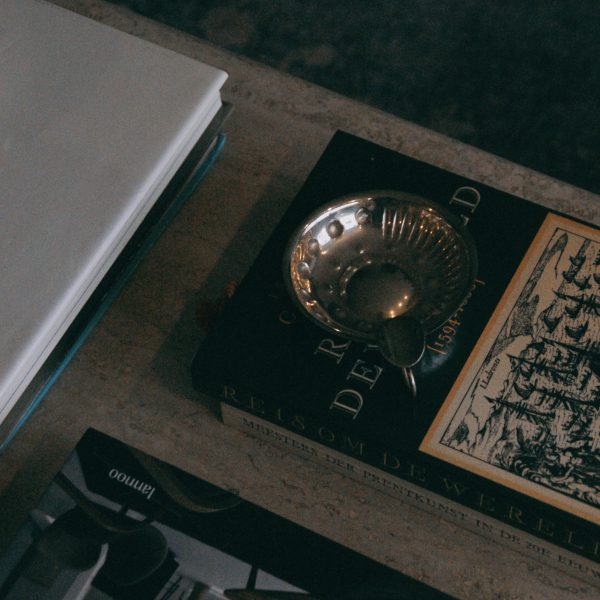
(93, 125)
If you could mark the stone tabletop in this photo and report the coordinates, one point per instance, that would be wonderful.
(131, 379)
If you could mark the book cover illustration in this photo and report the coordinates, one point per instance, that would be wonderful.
(469, 445)
(116, 523)
(524, 411)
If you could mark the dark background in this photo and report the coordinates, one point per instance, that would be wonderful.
(519, 79)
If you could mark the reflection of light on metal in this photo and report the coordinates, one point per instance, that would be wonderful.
(323, 238)
(381, 256)
(381, 266)
(349, 221)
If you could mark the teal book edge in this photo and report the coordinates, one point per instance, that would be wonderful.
(176, 194)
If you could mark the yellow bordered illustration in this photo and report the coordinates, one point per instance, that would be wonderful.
(525, 409)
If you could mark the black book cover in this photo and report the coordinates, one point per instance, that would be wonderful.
(265, 358)
(118, 523)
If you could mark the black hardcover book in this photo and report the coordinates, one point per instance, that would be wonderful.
(118, 523)
(503, 435)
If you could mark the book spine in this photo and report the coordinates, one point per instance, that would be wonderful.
(413, 494)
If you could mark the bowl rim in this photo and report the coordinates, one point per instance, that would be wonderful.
(446, 214)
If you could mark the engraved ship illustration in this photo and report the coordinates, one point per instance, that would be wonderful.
(544, 423)
(589, 302)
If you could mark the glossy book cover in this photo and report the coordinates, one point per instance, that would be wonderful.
(524, 409)
(283, 377)
(116, 523)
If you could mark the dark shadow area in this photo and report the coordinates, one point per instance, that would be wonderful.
(173, 361)
(519, 79)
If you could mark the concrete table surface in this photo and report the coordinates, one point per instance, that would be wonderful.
(131, 379)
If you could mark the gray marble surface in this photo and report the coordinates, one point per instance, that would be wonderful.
(131, 379)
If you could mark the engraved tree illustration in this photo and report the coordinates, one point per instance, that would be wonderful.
(544, 423)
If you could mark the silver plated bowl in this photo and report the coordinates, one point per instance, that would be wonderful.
(366, 258)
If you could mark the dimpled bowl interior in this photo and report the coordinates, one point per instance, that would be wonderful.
(366, 258)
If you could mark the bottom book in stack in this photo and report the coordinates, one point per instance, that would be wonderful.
(118, 523)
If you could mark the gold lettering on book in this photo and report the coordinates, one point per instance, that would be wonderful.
(457, 489)
(417, 472)
(408, 468)
(571, 541)
(355, 447)
(349, 401)
(326, 434)
(486, 503)
(333, 350)
(445, 336)
(229, 393)
(298, 422)
(466, 197)
(344, 442)
(541, 525)
(256, 404)
(364, 371)
(515, 514)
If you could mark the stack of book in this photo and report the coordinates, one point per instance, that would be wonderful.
(104, 136)
(503, 435)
